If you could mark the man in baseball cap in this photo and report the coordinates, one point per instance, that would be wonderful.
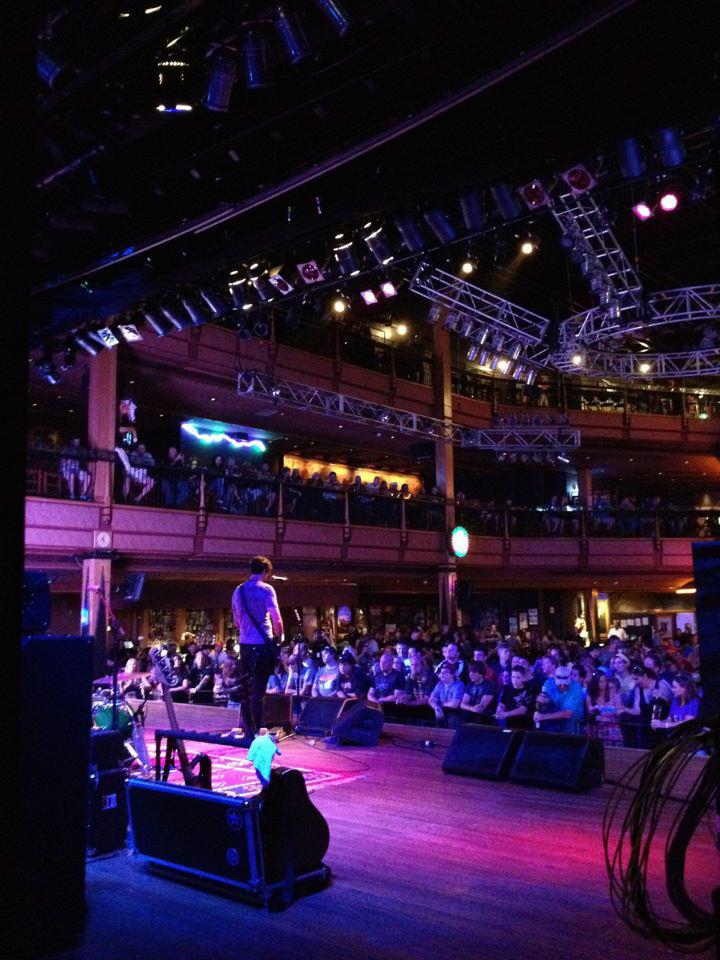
(564, 700)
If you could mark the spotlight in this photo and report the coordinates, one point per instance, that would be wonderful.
(518, 371)
(171, 313)
(335, 14)
(515, 349)
(195, 310)
(69, 355)
(534, 195)
(527, 247)
(579, 179)
(56, 75)
(467, 267)
(309, 272)
(105, 336)
(368, 297)
(172, 82)
(388, 289)
(402, 329)
(282, 285)
(451, 321)
(642, 210)
(484, 358)
(434, 314)
(263, 288)
(411, 234)
(223, 71)
(239, 295)
(440, 225)
(466, 328)
(48, 371)
(507, 205)
(339, 306)
(155, 321)
(261, 329)
(243, 331)
(644, 366)
(473, 352)
(669, 201)
(255, 60)
(504, 365)
(130, 332)
(562, 458)
(531, 377)
(82, 340)
(631, 157)
(669, 145)
(472, 211)
(379, 247)
(292, 36)
(577, 359)
(347, 261)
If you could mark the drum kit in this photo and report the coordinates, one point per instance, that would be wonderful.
(113, 712)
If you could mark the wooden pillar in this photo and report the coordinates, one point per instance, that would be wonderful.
(447, 596)
(102, 405)
(96, 573)
(585, 490)
(445, 474)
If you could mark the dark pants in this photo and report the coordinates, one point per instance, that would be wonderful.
(257, 661)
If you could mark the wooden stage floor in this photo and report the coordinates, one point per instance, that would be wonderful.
(426, 867)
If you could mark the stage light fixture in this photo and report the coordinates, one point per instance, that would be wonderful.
(172, 81)
(410, 232)
(292, 35)
(440, 225)
(339, 306)
(171, 313)
(494, 363)
(402, 329)
(578, 359)
(631, 157)
(642, 210)
(263, 288)
(196, 310)
(669, 201)
(278, 281)
(379, 247)
(130, 332)
(531, 377)
(388, 289)
(69, 355)
(261, 329)
(347, 262)
(518, 371)
(528, 247)
(579, 179)
(87, 344)
(256, 60)
(243, 331)
(335, 14)
(48, 371)
(644, 366)
(515, 348)
(467, 267)
(51, 71)
(484, 358)
(670, 148)
(434, 314)
(309, 272)
(452, 320)
(534, 195)
(466, 327)
(153, 319)
(223, 72)
(507, 205)
(240, 296)
(473, 213)
(504, 365)
(473, 352)
(368, 297)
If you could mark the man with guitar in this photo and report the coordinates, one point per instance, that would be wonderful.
(257, 617)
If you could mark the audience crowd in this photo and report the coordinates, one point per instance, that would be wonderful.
(627, 692)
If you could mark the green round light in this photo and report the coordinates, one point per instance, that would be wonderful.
(460, 541)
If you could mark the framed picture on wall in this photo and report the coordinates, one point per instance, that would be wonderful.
(665, 625)
(533, 617)
(523, 621)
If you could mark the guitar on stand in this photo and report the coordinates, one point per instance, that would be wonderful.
(165, 676)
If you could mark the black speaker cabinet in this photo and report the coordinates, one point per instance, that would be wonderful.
(277, 710)
(254, 847)
(37, 603)
(360, 723)
(107, 812)
(485, 752)
(318, 715)
(107, 749)
(706, 568)
(559, 760)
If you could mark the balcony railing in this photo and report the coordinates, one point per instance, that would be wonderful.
(64, 475)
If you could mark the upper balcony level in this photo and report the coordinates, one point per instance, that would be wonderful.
(197, 519)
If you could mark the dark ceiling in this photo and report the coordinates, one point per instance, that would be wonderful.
(123, 189)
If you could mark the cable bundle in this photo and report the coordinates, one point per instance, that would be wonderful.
(628, 840)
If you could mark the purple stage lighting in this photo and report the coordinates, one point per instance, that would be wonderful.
(642, 210)
(669, 201)
(388, 288)
(335, 14)
(368, 297)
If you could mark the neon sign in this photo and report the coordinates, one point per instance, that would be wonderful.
(208, 438)
(460, 541)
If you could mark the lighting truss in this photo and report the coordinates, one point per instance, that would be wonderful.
(479, 306)
(641, 366)
(339, 406)
(684, 305)
(606, 266)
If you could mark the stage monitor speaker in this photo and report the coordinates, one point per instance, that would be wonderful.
(37, 603)
(51, 819)
(107, 812)
(131, 589)
(256, 846)
(706, 569)
(559, 760)
(360, 723)
(107, 749)
(277, 710)
(485, 752)
(318, 715)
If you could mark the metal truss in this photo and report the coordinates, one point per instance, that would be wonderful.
(607, 269)
(535, 439)
(640, 366)
(684, 305)
(478, 309)
(337, 405)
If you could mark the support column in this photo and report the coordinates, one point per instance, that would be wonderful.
(96, 572)
(447, 596)
(585, 488)
(445, 474)
(102, 405)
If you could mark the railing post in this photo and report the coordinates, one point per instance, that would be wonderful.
(657, 535)
(403, 523)
(202, 512)
(280, 522)
(506, 530)
(583, 531)
(346, 516)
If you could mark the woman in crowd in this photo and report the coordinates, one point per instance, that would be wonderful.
(603, 704)
(201, 676)
(685, 703)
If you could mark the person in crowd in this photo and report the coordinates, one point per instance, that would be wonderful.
(302, 668)
(620, 664)
(603, 704)
(350, 681)
(141, 461)
(451, 655)
(175, 485)
(218, 654)
(685, 704)
(649, 705)
(420, 682)
(399, 665)
(133, 682)
(190, 650)
(654, 662)
(74, 470)
(561, 703)
(480, 694)
(617, 631)
(201, 676)
(232, 685)
(327, 677)
(448, 692)
(215, 486)
(516, 701)
(385, 681)
(278, 679)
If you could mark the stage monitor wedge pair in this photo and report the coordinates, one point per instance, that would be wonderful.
(359, 723)
(556, 760)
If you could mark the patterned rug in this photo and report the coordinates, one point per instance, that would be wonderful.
(234, 775)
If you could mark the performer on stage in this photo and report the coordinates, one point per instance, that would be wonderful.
(257, 617)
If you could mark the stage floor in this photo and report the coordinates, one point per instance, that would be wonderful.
(425, 866)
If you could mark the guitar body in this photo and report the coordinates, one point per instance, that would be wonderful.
(295, 835)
